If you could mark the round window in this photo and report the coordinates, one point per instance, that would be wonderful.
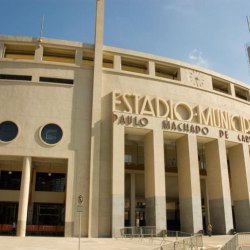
(8, 131)
(51, 133)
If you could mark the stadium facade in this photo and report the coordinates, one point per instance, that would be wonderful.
(100, 138)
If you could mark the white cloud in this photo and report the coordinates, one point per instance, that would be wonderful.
(196, 57)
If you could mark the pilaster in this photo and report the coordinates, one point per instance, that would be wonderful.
(78, 56)
(151, 68)
(189, 184)
(219, 196)
(155, 193)
(118, 179)
(39, 53)
(1, 49)
(117, 62)
(240, 179)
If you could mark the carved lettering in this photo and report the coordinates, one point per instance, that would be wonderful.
(122, 120)
(166, 124)
(130, 120)
(184, 127)
(243, 138)
(168, 109)
(183, 112)
(143, 122)
(147, 108)
(204, 130)
(162, 108)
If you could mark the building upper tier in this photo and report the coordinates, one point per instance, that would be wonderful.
(74, 55)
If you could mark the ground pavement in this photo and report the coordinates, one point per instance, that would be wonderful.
(54, 243)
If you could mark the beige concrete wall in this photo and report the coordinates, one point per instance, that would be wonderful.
(33, 104)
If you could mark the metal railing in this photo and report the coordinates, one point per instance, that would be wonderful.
(180, 240)
(238, 241)
(176, 234)
(140, 232)
(148, 231)
(194, 242)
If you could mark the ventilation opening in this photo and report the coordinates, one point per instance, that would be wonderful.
(15, 77)
(221, 86)
(88, 58)
(16, 51)
(52, 54)
(108, 61)
(56, 80)
(136, 66)
(241, 93)
(167, 71)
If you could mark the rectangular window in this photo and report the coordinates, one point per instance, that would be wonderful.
(167, 71)
(108, 61)
(50, 182)
(56, 80)
(134, 65)
(88, 58)
(8, 212)
(170, 156)
(221, 86)
(15, 77)
(53, 54)
(48, 214)
(128, 159)
(241, 93)
(10, 180)
(19, 51)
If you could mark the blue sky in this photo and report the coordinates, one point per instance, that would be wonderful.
(209, 33)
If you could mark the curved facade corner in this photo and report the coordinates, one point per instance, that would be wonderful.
(168, 147)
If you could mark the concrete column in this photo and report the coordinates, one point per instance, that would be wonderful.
(117, 62)
(151, 68)
(189, 184)
(38, 58)
(240, 180)
(132, 199)
(24, 197)
(69, 207)
(78, 57)
(219, 195)
(39, 53)
(118, 179)
(1, 49)
(95, 151)
(232, 90)
(155, 193)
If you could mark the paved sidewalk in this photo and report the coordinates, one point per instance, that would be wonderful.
(215, 241)
(54, 243)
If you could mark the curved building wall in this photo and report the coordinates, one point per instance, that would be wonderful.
(173, 147)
